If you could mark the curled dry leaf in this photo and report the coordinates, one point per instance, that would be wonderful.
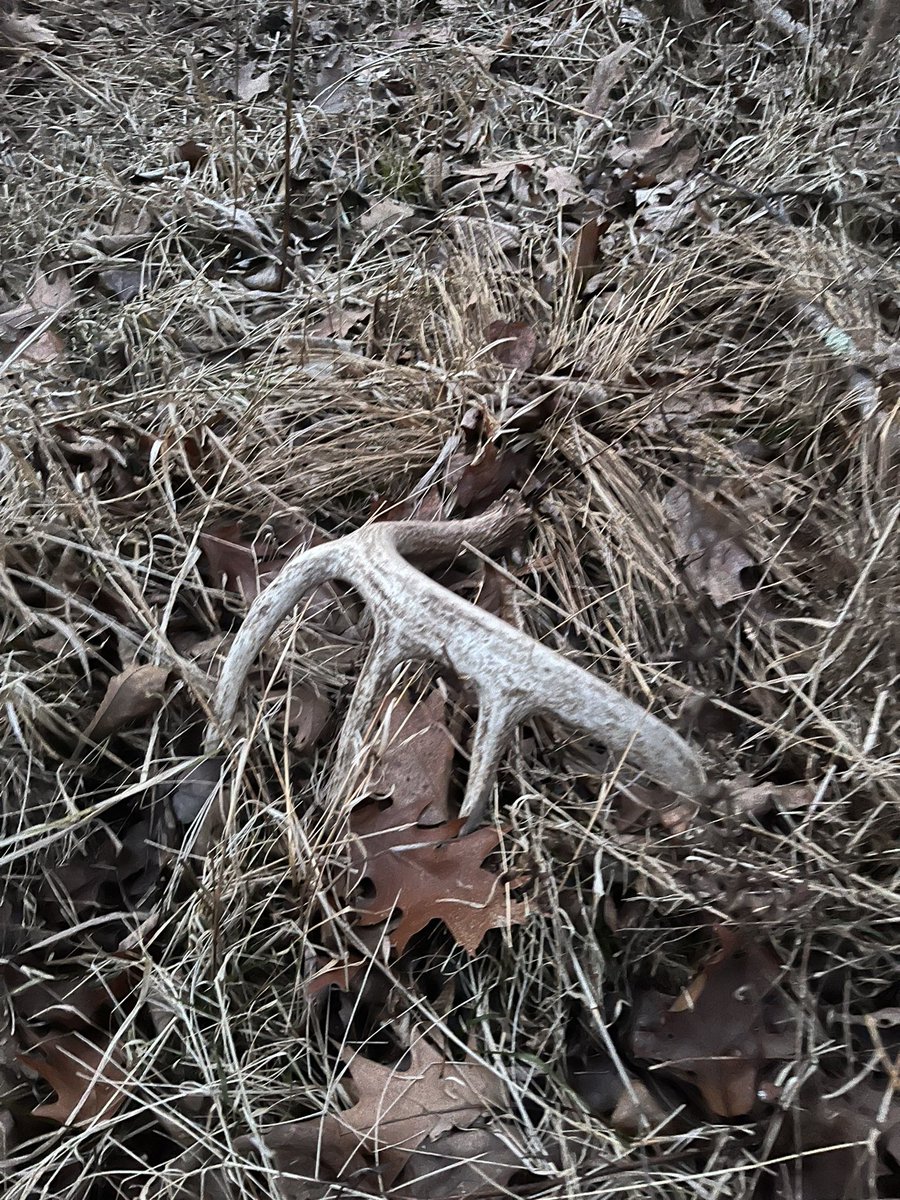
(268, 278)
(758, 799)
(308, 714)
(716, 559)
(725, 1027)
(131, 695)
(609, 70)
(88, 1079)
(20, 31)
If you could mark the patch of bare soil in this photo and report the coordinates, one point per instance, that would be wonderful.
(271, 273)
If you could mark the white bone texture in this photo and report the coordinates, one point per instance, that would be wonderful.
(415, 618)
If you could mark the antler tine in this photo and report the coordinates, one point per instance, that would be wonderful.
(416, 618)
(305, 571)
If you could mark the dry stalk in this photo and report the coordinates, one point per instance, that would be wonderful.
(515, 677)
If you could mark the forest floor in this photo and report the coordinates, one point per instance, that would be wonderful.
(633, 264)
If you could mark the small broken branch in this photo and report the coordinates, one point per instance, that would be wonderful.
(415, 618)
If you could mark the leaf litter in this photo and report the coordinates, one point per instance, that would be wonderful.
(685, 290)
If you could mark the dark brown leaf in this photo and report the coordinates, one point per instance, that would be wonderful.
(584, 250)
(516, 343)
(833, 1145)
(131, 695)
(71, 1004)
(485, 481)
(725, 1027)
(126, 283)
(191, 792)
(308, 714)
(231, 562)
(317, 1150)
(193, 153)
(246, 567)
(460, 1163)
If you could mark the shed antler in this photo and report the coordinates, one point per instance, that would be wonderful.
(417, 619)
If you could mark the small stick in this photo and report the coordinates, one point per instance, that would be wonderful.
(288, 143)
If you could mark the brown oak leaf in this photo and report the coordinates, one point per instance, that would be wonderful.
(708, 539)
(484, 481)
(422, 874)
(460, 1163)
(86, 1078)
(397, 1109)
(414, 768)
(67, 1003)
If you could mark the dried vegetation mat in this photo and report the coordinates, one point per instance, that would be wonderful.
(633, 266)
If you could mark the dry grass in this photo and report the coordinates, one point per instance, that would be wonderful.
(748, 348)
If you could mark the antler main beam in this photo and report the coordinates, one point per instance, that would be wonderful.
(415, 618)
